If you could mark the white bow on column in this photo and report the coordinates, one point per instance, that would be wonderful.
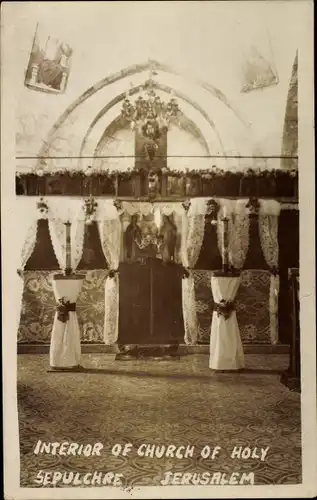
(193, 227)
(109, 225)
(268, 231)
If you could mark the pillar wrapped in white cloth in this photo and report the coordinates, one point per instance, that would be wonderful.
(65, 349)
(226, 351)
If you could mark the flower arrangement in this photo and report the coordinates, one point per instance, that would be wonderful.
(63, 308)
(90, 208)
(224, 308)
(112, 273)
(42, 206)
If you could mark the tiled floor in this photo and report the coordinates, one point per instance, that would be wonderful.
(180, 402)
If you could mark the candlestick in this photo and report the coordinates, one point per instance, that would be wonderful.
(225, 245)
(68, 268)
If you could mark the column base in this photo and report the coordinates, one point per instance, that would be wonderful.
(229, 370)
(291, 382)
(77, 368)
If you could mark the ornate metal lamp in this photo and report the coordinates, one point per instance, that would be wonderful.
(149, 114)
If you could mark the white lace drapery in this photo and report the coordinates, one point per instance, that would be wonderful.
(25, 218)
(268, 231)
(77, 234)
(193, 228)
(57, 232)
(110, 229)
(238, 230)
(28, 232)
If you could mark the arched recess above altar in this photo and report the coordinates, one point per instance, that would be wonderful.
(79, 130)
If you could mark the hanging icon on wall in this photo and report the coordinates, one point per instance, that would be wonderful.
(258, 72)
(49, 63)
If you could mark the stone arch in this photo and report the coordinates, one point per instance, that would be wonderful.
(212, 147)
(290, 132)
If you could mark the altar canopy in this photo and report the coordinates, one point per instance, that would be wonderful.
(188, 219)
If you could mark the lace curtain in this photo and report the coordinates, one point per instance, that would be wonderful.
(109, 225)
(193, 228)
(77, 235)
(57, 232)
(268, 231)
(238, 229)
(26, 219)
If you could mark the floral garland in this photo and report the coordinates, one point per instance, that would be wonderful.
(214, 172)
(213, 182)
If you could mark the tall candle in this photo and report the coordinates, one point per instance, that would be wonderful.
(68, 268)
(225, 245)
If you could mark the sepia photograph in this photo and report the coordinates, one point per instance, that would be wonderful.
(158, 249)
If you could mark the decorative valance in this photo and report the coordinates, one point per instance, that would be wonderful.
(269, 207)
(146, 208)
(73, 209)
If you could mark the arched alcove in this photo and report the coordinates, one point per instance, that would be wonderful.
(80, 128)
(185, 142)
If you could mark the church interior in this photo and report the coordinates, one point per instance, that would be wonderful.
(157, 194)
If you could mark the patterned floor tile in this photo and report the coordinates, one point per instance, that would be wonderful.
(180, 403)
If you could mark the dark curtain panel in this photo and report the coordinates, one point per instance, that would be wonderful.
(43, 256)
(93, 256)
(209, 257)
(255, 258)
(288, 236)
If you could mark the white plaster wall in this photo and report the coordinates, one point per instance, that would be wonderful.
(209, 43)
